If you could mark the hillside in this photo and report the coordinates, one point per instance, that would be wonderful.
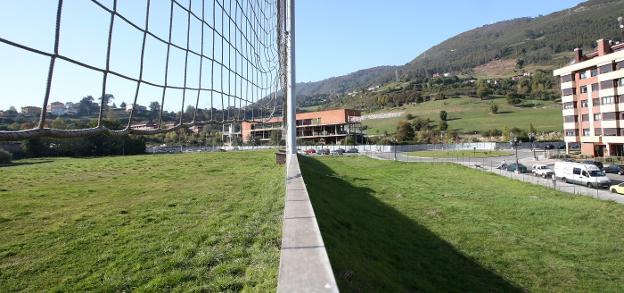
(469, 115)
(540, 43)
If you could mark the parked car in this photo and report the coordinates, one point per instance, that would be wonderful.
(353, 151)
(596, 163)
(339, 152)
(583, 174)
(542, 171)
(322, 151)
(617, 188)
(310, 152)
(521, 168)
(549, 147)
(615, 169)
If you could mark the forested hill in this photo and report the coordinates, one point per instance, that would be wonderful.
(532, 40)
(525, 40)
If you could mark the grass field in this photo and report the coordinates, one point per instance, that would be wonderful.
(454, 154)
(184, 222)
(468, 115)
(401, 227)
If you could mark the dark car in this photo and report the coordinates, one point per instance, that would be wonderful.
(322, 151)
(615, 169)
(521, 168)
(353, 151)
(549, 147)
(339, 151)
(596, 163)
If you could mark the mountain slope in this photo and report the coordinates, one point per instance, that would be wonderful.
(532, 40)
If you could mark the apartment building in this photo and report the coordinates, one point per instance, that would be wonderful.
(324, 127)
(31, 110)
(592, 90)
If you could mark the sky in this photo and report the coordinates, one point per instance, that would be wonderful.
(332, 38)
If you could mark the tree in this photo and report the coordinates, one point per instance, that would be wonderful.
(443, 115)
(493, 108)
(483, 89)
(443, 125)
(122, 105)
(59, 123)
(405, 132)
(12, 110)
(420, 124)
(276, 137)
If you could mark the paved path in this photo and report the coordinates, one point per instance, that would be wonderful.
(525, 158)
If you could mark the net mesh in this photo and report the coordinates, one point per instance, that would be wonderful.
(221, 62)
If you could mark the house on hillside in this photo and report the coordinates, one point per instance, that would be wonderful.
(56, 108)
(31, 110)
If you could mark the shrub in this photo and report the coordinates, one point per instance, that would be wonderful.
(5, 157)
(493, 108)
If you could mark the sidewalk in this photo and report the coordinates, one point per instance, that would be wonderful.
(489, 165)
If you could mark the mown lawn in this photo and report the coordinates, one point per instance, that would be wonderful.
(454, 154)
(407, 227)
(468, 115)
(187, 222)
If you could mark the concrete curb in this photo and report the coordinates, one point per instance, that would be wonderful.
(304, 264)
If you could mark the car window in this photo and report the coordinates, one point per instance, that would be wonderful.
(596, 173)
(576, 171)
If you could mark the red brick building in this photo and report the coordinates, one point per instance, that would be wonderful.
(592, 96)
(324, 127)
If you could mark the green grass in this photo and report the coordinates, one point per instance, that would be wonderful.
(406, 227)
(187, 222)
(468, 115)
(453, 154)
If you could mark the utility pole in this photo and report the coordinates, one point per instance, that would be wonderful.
(291, 99)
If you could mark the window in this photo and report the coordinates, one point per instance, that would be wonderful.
(596, 117)
(594, 87)
(584, 104)
(598, 131)
(585, 117)
(567, 92)
(607, 84)
(569, 105)
(567, 78)
(583, 75)
(570, 119)
(619, 65)
(620, 82)
(596, 102)
(570, 132)
(576, 171)
(610, 132)
(608, 100)
(584, 89)
(594, 72)
(606, 68)
(609, 116)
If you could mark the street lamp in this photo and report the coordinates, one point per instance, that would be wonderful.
(532, 137)
(395, 142)
(514, 142)
(621, 23)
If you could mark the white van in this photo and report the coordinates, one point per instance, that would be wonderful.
(584, 174)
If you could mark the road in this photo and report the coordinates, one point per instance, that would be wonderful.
(526, 158)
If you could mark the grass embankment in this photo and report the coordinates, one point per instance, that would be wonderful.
(461, 154)
(401, 227)
(183, 222)
(468, 115)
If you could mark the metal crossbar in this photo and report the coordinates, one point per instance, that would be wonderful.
(249, 77)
